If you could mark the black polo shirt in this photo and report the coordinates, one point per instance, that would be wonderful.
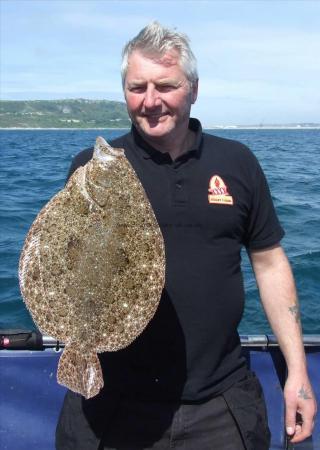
(209, 203)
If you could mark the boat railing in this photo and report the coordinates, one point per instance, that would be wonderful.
(34, 340)
(270, 340)
(250, 340)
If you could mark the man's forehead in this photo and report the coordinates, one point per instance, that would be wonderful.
(166, 59)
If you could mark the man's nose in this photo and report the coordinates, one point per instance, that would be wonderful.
(151, 99)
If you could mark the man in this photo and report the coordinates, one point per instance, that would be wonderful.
(183, 382)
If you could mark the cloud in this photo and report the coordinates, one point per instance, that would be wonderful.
(254, 90)
(72, 87)
(240, 52)
(119, 24)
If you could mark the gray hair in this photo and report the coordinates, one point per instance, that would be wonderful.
(155, 39)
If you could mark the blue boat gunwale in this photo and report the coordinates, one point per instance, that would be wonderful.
(31, 403)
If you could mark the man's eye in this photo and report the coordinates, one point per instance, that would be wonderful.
(165, 88)
(137, 89)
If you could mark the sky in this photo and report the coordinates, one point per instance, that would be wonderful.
(258, 60)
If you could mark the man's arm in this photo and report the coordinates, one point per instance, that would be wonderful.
(279, 298)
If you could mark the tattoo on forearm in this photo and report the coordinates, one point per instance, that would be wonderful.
(294, 310)
(305, 393)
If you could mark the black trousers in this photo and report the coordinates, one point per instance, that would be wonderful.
(235, 420)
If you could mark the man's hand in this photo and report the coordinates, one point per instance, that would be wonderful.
(299, 398)
(278, 295)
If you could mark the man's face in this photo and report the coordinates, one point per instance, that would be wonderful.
(158, 95)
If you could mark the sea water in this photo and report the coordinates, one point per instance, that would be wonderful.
(34, 164)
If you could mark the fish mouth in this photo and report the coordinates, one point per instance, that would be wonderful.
(104, 152)
(116, 151)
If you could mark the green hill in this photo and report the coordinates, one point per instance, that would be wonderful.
(70, 113)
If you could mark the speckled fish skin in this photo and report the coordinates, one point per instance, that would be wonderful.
(92, 268)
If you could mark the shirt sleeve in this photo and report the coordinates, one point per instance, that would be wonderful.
(263, 226)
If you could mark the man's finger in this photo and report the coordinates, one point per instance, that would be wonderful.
(307, 426)
(291, 409)
(303, 430)
(298, 430)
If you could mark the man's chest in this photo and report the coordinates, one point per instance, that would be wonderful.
(194, 197)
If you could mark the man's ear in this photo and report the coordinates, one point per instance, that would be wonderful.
(194, 91)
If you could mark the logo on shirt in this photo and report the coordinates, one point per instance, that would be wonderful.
(218, 191)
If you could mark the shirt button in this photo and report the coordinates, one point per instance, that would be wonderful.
(178, 185)
(156, 380)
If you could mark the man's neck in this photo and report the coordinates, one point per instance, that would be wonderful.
(175, 147)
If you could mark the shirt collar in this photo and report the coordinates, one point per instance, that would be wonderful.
(148, 152)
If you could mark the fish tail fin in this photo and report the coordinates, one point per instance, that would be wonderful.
(80, 371)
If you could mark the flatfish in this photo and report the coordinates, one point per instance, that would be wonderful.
(92, 267)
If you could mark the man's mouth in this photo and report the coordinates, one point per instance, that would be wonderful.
(154, 116)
